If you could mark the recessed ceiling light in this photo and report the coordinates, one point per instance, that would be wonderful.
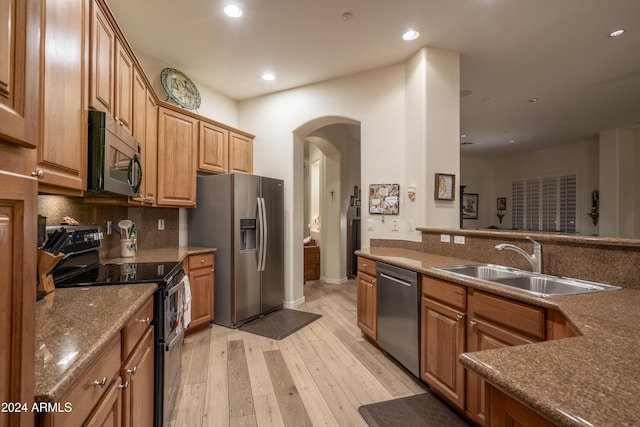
(532, 100)
(616, 33)
(268, 77)
(512, 141)
(464, 135)
(233, 11)
(410, 35)
(347, 16)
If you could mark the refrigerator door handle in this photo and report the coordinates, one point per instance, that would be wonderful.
(264, 244)
(260, 234)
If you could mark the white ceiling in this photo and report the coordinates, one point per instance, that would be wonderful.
(511, 50)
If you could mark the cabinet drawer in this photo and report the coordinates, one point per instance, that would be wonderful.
(367, 278)
(446, 292)
(367, 265)
(134, 329)
(200, 261)
(85, 394)
(515, 315)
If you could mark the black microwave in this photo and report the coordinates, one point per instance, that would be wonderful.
(114, 158)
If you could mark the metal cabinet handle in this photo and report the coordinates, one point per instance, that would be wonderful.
(147, 320)
(202, 261)
(459, 316)
(101, 382)
(39, 173)
(124, 386)
(472, 323)
(132, 371)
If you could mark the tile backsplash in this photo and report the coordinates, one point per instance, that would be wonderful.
(55, 208)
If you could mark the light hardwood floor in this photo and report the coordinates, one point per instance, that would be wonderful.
(318, 376)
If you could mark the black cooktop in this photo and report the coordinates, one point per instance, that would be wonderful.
(118, 274)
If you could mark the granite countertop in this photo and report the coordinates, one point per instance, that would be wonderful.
(160, 255)
(73, 326)
(590, 380)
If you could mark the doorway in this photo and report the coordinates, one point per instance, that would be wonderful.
(332, 176)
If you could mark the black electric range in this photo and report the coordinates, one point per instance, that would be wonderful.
(119, 274)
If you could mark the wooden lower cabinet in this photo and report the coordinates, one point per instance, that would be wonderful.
(201, 278)
(504, 411)
(367, 300)
(443, 338)
(137, 374)
(496, 322)
(110, 392)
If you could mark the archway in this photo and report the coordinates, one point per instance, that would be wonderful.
(330, 172)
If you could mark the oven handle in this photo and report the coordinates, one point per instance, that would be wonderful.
(178, 339)
(176, 288)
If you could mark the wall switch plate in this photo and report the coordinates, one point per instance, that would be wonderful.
(445, 238)
(161, 224)
(412, 225)
(369, 224)
(109, 228)
(458, 240)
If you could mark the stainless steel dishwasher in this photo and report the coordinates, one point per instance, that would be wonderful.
(398, 320)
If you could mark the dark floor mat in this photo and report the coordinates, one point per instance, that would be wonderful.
(422, 410)
(279, 324)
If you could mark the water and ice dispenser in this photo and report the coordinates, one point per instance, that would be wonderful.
(248, 234)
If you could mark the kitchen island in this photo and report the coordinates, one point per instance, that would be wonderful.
(591, 379)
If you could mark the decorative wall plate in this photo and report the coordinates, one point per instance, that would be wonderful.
(180, 88)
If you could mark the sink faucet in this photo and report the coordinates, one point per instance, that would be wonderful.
(535, 259)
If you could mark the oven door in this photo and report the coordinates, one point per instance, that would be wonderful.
(174, 301)
(172, 374)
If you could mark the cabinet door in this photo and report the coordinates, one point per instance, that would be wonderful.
(240, 153)
(103, 42)
(367, 305)
(108, 413)
(442, 341)
(484, 335)
(150, 172)
(62, 153)
(201, 281)
(123, 109)
(138, 126)
(19, 71)
(17, 291)
(177, 162)
(137, 372)
(506, 411)
(213, 148)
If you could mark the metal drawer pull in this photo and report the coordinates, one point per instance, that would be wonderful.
(101, 383)
(147, 320)
(459, 316)
(473, 323)
(202, 261)
(132, 371)
(125, 385)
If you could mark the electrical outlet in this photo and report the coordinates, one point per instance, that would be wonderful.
(459, 240)
(161, 224)
(445, 238)
(412, 225)
(395, 226)
(369, 224)
(109, 228)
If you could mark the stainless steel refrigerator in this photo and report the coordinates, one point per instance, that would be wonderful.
(243, 217)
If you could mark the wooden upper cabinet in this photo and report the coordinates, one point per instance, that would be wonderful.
(62, 152)
(213, 148)
(124, 85)
(139, 125)
(103, 44)
(19, 71)
(240, 153)
(177, 162)
(150, 172)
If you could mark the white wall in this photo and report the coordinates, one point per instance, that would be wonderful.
(491, 178)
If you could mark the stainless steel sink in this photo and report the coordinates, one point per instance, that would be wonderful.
(535, 283)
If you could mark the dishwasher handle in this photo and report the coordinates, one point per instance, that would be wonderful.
(402, 282)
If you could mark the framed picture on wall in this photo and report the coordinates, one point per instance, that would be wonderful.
(445, 186)
(470, 206)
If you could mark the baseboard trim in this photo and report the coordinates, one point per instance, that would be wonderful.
(292, 304)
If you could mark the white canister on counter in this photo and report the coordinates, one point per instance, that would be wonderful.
(127, 248)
